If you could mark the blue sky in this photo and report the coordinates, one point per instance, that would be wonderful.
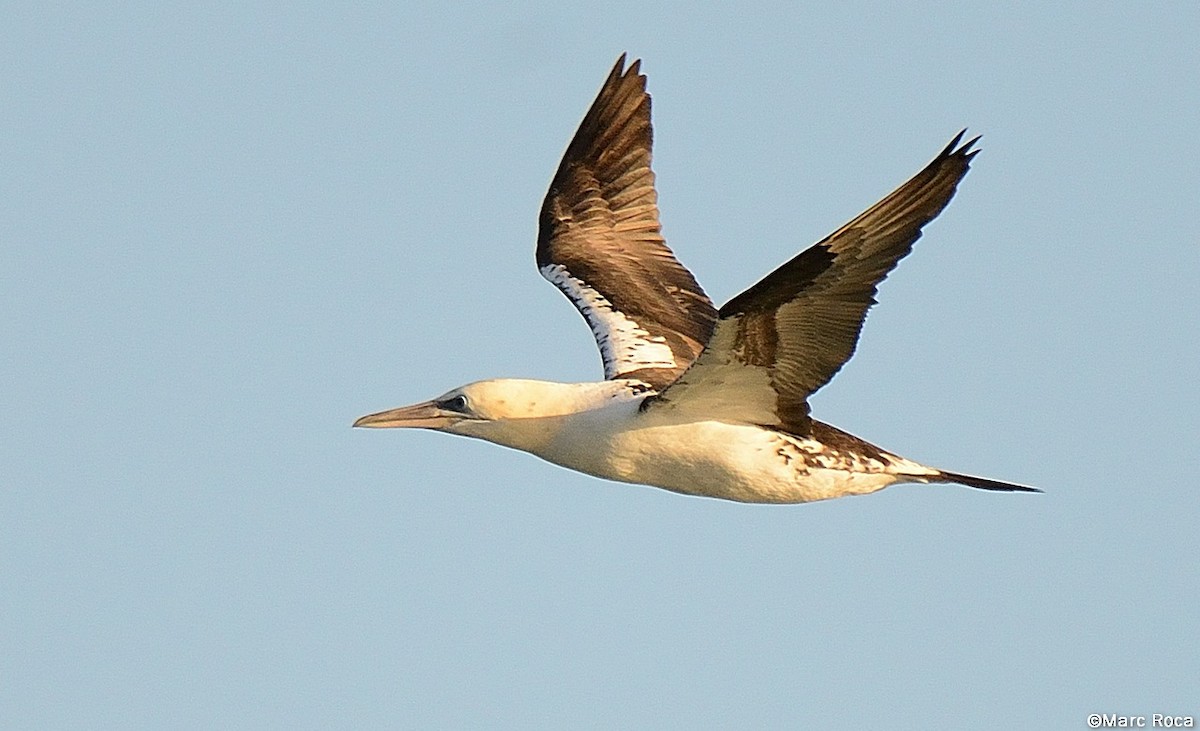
(226, 232)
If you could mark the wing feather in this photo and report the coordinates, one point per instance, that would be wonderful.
(600, 242)
(798, 326)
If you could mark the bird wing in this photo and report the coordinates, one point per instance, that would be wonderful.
(779, 341)
(600, 242)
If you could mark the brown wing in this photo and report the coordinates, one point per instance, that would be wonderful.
(779, 341)
(600, 242)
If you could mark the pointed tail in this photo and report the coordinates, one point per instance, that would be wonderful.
(982, 483)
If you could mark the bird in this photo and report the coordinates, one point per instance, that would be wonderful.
(696, 400)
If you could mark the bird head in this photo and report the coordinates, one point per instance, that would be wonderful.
(506, 411)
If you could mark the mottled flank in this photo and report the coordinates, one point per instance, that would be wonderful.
(853, 455)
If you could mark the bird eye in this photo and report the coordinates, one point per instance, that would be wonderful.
(454, 403)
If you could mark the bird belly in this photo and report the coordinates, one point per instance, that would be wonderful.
(738, 462)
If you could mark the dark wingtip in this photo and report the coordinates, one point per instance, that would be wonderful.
(965, 150)
(983, 483)
(635, 69)
(619, 70)
(953, 143)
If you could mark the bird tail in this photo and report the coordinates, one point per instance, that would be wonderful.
(982, 483)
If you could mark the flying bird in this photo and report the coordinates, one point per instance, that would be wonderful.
(697, 400)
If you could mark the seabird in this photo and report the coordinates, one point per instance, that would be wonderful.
(696, 400)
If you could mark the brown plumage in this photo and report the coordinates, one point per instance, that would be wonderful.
(802, 321)
(796, 327)
(599, 222)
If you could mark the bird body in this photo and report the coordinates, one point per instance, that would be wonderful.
(713, 458)
(696, 400)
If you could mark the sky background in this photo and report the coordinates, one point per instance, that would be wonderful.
(227, 231)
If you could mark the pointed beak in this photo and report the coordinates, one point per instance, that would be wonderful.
(424, 415)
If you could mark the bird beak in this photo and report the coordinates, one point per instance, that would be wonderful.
(424, 415)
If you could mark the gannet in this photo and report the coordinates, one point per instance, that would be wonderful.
(696, 400)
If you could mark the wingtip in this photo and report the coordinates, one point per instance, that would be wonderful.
(954, 142)
(619, 69)
(965, 150)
